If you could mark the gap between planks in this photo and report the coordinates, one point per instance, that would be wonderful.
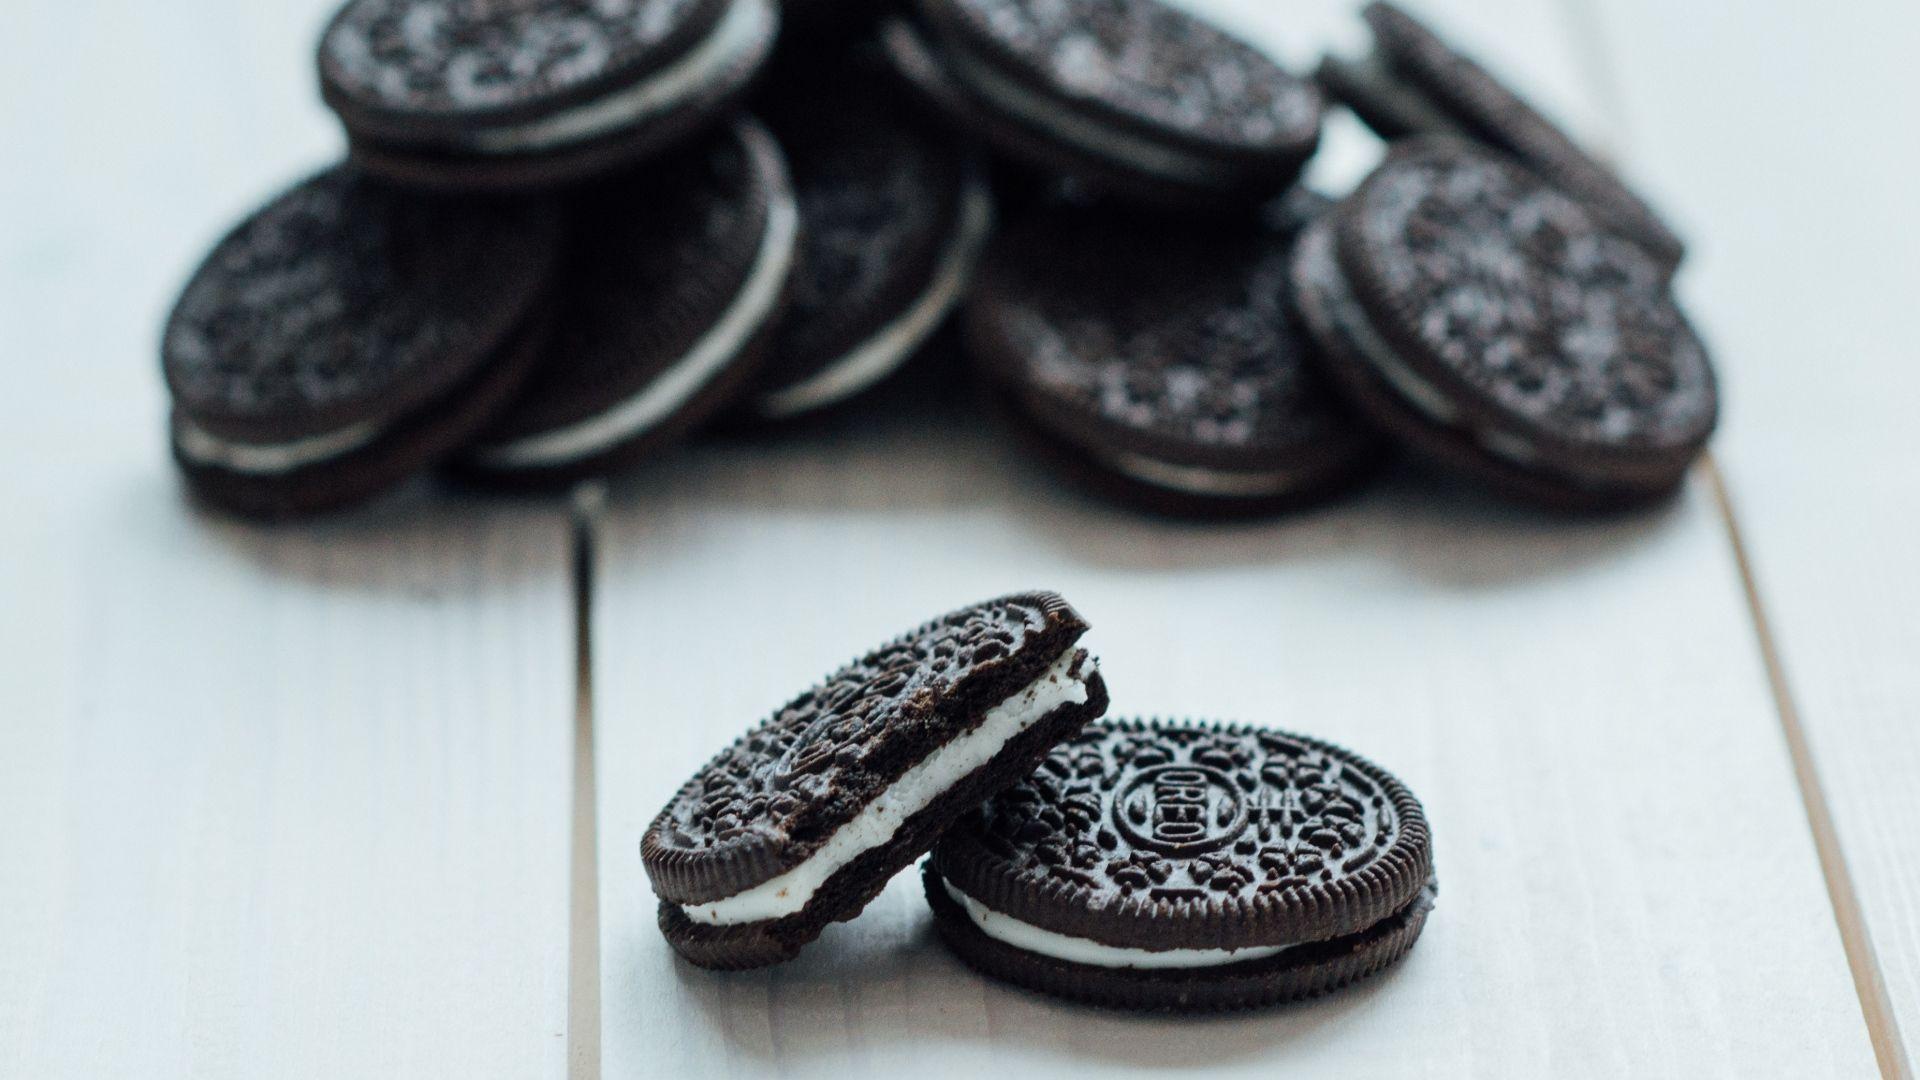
(1585, 30)
(583, 932)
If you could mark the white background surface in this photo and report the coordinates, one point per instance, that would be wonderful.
(299, 802)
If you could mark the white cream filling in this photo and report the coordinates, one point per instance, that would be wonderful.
(745, 24)
(660, 398)
(1090, 135)
(914, 791)
(880, 354)
(1078, 950)
(203, 447)
(1198, 481)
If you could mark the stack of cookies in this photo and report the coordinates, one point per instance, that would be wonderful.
(1135, 864)
(569, 235)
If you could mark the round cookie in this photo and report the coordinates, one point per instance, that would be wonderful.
(893, 218)
(1139, 98)
(347, 335)
(1162, 360)
(1187, 867)
(671, 288)
(1415, 83)
(802, 821)
(527, 93)
(1489, 320)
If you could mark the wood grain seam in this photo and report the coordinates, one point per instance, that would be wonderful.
(583, 933)
(1584, 28)
(1856, 938)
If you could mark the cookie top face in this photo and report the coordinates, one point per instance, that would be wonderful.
(1177, 835)
(1169, 339)
(774, 797)
(345, 301)
(1147, 64)
(653, 262)
(1514, 300)
(449, 61)
(1496, 114)
(879, 200)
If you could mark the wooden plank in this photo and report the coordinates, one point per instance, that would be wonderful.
(1787, 158)
(272, 802)
(1628, 882)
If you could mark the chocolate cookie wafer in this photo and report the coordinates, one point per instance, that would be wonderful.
(348, 335)
(1416, 83)
(1187, 867)
(1161, 361)
(480, 94)
(803, 820)
(1491, 322)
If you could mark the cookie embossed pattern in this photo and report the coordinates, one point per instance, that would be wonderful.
(803, 820)
(1186, 866)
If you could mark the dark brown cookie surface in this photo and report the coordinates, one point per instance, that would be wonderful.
(421, 61)
(670, 287)
(1148, 64)
(1170, 344)
(345, 301)
(1504, 307)
(782, 796)
(1484, 107)
(1160, 836)
(1131, 97)
(892, 219)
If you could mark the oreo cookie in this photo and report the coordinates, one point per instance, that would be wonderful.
(1162, 362)
(1489, 320)
(1187, 867)
(893, 218)
(803, 820)
(1134, 96)
(1415, 83)
(348, 335)
(479, 94)
(671, 288)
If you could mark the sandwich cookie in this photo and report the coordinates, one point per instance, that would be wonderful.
(803, 820)
(893, 218)
(1133, 96)
(670, 290)
(348, 335)
(1187, 867)
(1415, 83)
(1162, 361)
(525, 93)
(1489, 320)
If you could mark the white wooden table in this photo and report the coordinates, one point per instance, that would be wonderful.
(310, 802)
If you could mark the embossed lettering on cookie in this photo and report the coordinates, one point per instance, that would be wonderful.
(523, 93)
(1187, 866)
(803, 820)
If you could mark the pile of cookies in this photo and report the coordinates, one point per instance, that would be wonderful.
(570, 234)
(1136, 864)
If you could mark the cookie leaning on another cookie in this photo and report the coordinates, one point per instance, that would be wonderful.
(1137, 97)
(802, 821)
(1488, 320)
(1415, 83)
(348, 335)
(1187, 867)
(1161, 361)
(670, 291)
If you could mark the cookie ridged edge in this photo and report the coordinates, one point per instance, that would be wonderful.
(684, 876)
(1315, 912)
